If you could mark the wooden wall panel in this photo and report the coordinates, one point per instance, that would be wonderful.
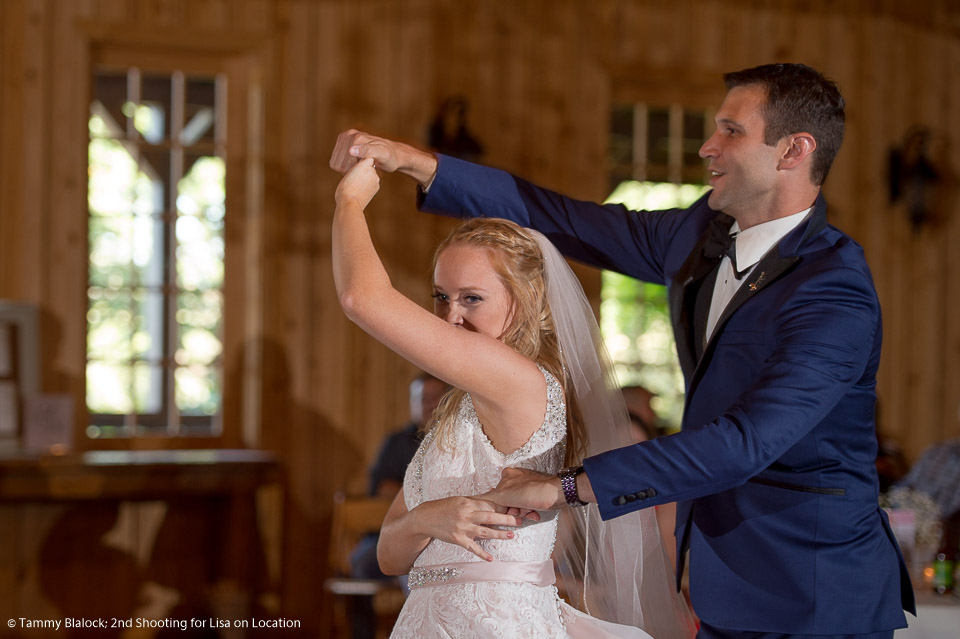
(951, 266)
(114, 11)
(926, 409)
(36, 168)
(845, 210)
(539, 77)
(207, 14)
(65, 271)
(27, 44)
(869, 156)
(11, 95)
(295, 429)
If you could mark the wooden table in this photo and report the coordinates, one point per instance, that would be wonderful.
(88, 534)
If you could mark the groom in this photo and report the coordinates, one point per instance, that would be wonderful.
(778, 332)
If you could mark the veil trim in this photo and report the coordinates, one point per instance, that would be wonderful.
(615, 570)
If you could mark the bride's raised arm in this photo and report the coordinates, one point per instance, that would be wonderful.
(508, 389)
(503, 383)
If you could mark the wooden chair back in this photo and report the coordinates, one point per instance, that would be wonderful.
(353, 518)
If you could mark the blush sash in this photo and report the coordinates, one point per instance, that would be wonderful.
(539, 573)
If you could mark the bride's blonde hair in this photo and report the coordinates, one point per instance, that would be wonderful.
(518, 262)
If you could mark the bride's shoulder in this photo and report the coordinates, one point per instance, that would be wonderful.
(555, 396)
(552, 430)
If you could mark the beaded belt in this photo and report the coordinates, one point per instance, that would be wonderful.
(539, 573)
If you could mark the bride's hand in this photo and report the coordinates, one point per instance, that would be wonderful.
(360, 183)
(462, 520)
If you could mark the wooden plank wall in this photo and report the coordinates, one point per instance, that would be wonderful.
(539, 76)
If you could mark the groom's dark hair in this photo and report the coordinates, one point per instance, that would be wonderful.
(799, 99)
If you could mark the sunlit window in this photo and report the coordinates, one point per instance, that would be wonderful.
(156, 195)
(654, 164)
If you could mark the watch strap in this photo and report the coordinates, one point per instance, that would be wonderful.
(568, 483)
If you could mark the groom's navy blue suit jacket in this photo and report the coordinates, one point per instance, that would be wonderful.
(774, 470)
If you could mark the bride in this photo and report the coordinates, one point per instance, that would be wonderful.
(513, 335)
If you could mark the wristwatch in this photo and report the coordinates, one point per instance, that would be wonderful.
(568, 482)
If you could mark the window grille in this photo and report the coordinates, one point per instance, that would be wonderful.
(156, 200)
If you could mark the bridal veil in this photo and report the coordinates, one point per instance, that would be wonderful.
(616, 570)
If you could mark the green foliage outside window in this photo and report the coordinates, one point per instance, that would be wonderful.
(154, 320)
(634, 315)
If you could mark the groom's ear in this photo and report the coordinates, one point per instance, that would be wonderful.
(797, 148)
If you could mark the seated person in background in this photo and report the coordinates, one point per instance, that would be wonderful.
(386, 474)
(642, 416)
(937, 473)
(891, 464)
(386, 479)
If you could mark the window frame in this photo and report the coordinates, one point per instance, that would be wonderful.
(168, 421)
(657, 87)
(240, 61)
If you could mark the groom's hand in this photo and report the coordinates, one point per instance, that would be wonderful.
(353, 146)
(388, 155)
(527, 490)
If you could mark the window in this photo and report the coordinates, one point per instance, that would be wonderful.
(155, 306)
(657, 143)
(654, 164)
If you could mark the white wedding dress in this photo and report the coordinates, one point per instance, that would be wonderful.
(455, 594)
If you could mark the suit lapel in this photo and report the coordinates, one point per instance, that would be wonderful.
(768, 270)
(701, 312)
(683, 292)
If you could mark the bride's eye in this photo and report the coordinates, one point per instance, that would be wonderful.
(440, 297)
(472, 299)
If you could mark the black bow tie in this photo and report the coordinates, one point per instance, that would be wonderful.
(726, 244)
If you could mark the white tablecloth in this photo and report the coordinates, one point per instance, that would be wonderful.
(938, 617)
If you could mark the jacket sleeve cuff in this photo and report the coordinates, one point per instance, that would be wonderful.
(618, 495)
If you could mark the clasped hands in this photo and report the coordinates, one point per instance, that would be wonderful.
(388, 155)
(464, 520)
(353, 146)
(359, 156)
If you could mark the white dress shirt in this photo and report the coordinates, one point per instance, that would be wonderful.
(752, 244)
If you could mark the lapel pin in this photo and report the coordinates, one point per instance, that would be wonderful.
(753, 285)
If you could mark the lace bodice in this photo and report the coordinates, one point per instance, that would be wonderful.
(472, 466)
(497, 609)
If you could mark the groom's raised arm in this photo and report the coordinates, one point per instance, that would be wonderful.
(608, 236)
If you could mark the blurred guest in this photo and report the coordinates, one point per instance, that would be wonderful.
(937, 473)
(386, 479)
(644, 421)
(386, 474)
(891, 463)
